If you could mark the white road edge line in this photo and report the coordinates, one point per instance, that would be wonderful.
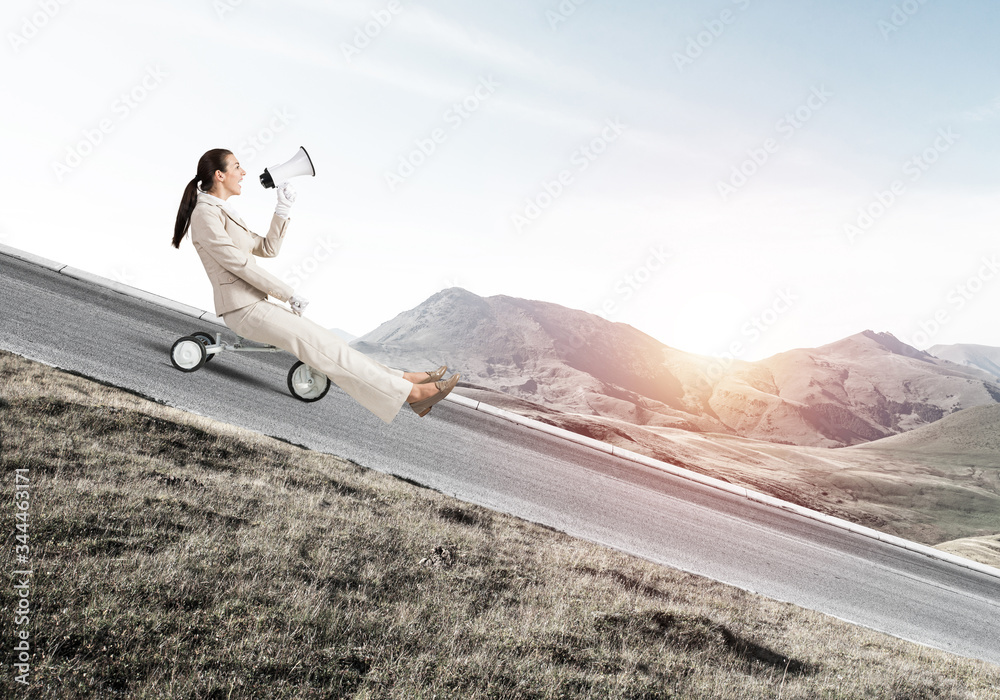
(561, 433)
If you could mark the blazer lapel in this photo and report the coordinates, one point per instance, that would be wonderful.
(238, 222)
(235, 220)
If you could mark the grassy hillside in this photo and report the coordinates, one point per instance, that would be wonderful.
(982, 549)
(175, 556)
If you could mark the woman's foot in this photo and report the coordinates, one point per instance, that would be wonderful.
(421, 391)
(423, 396)
(426, 377)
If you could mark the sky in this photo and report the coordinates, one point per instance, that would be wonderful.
(729, 176)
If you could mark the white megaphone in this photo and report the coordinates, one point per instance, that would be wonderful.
(299, 164)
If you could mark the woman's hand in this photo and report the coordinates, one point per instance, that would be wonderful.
(286, 197)
(298, 304)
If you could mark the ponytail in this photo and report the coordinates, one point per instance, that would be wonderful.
(188, 201)
(207, 165)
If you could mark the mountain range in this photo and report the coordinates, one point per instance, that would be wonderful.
(981, 357)
(544, 359)
(919, 433)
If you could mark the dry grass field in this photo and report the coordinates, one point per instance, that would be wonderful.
(178, 557)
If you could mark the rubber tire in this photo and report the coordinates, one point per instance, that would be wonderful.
(207, 339)
(321, 383)
(190, 346)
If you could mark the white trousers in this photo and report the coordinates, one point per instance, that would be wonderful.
(380, 389)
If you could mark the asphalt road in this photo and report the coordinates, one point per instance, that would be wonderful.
(485, 460)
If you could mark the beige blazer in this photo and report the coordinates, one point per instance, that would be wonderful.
(226, 248)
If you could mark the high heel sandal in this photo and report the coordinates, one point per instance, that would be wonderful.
(423, 407)
(435, 375)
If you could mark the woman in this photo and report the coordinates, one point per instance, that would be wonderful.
(226, 247)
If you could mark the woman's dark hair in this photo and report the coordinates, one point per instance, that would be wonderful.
(207, 165)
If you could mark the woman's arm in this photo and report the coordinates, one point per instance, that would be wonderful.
(208, 231)
(268, 247)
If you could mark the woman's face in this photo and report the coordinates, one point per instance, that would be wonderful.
(228, 183)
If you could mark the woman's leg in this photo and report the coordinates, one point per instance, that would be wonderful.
(380, 389)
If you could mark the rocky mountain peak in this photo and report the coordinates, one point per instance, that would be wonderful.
(896, 346)
(864, 387)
